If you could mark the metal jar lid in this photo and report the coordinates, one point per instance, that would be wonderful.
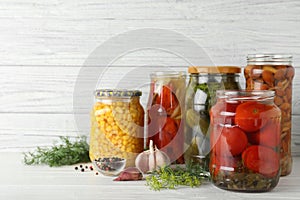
(214, 69)
(269, 58)
(250, 95)
(117, 93)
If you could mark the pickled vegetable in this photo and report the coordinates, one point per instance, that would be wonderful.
(274, 72)
(164, 111)
(117, 129)
(245, 149)
(200, 97)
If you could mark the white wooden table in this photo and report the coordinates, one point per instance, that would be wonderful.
(18, 181)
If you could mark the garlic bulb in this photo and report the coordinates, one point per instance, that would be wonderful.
(151, 159)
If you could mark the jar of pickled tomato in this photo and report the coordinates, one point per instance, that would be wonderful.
(117, 125)
(165, 109)
(245, 141)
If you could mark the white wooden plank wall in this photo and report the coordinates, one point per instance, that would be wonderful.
(45, 43)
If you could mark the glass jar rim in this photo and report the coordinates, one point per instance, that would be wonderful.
(117, 93)
(166, 74)
(249, 95)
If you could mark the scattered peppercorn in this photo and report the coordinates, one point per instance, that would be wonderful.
(97, 173)
(84, 168)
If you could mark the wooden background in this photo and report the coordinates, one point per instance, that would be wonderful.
(45, 43)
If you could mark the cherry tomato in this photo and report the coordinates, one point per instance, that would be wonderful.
(231, 142)
(261, 160)
(252, 116)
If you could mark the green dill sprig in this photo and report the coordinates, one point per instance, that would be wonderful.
(170, 178)
(67, 152)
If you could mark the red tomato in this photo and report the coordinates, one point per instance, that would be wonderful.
(167, 99)
(231, 142)
(268, 136)
(165, 134)
(168, 132)
(261, 160)
(252, 116)
(171, 145)
(223, 112)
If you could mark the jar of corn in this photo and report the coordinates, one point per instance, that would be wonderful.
(117, 125)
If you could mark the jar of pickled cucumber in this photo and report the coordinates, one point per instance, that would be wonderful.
(200, 97)
(245, 141)
(275, 72)
(117, 125)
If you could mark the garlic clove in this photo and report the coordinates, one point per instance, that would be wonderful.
(152, 159)
(141, 162)
(162, 159)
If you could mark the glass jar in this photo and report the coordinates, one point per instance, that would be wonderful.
(245, 141)
(117, 125)
(200, 96)
(275, 72)
(165, 108)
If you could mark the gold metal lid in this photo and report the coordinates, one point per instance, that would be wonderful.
(214, 69)
(117, 93)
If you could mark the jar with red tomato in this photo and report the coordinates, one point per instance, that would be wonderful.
(245, 141)
(165, 108)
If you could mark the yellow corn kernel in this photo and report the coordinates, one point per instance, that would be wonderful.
(123, 148)
(108, 128)
(125, 142)
(126, 137)
(102, 123)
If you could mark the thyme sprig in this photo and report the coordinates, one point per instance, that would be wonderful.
(66, 152)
